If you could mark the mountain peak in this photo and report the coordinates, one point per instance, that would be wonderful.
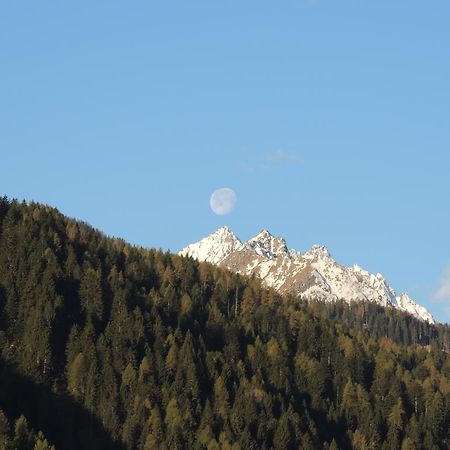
(317, 252)
(223, 231)
(263, 234)
(267, 245)
(312, 275)
(214, 247)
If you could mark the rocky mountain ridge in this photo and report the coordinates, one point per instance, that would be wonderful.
(312, 275)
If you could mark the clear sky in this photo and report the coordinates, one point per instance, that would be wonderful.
(330, 120)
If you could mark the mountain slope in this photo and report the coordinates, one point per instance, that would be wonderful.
(104, 345)
(312, 275)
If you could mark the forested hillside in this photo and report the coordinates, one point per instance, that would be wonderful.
(106, 345)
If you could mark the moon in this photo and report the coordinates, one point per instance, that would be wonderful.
(222, 201)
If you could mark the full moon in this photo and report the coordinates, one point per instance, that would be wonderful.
(223, 201)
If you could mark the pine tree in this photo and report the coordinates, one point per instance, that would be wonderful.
(396, 422)
(174, 425)
(333, 445)
(41, 443)
(23, 437)
(91, 293)
(156, 433)
(221, 398)
(76, 376)
(283, 439)
(437, 418)
(4, 427)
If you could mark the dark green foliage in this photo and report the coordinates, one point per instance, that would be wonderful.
(105, 345)
(20, 436)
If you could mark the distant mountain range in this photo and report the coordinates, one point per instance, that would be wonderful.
(311, 275)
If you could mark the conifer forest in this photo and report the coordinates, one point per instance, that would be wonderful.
(105, 345)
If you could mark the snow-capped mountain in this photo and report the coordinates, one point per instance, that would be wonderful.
(215, 247)
(314, 274)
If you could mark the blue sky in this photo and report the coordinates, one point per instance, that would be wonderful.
(329, 119)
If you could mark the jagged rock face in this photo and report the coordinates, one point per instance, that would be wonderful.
(215, 247)
(313, 275)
